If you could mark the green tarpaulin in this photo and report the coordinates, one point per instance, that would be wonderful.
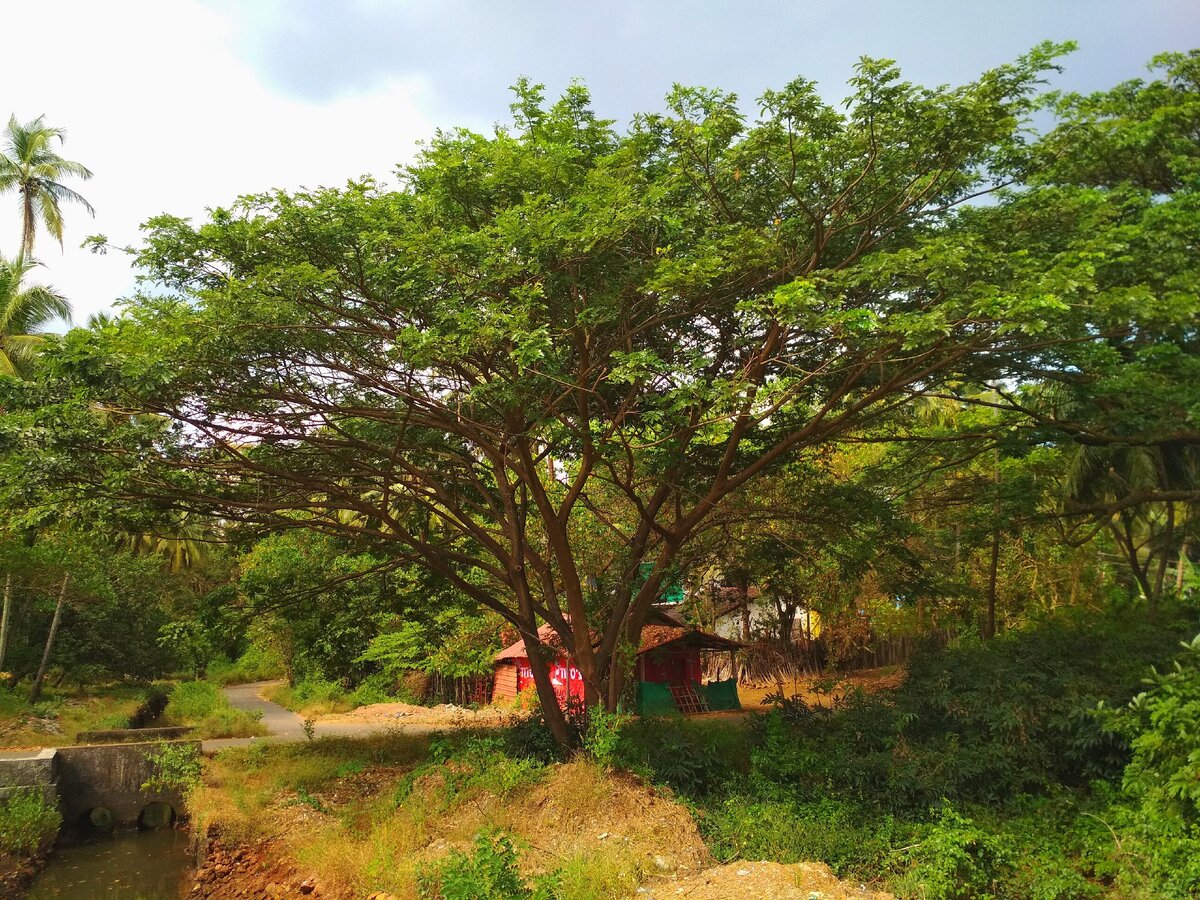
(720, 694)
(655, 700)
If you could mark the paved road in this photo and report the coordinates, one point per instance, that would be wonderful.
(280, 722)
(284, 725)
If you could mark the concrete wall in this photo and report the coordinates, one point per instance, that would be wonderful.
(80, 779)
(110, 777)
(35, 772)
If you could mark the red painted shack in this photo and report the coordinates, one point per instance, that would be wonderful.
(668, 664)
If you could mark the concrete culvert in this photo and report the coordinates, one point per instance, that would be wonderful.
(98, 818)
(156, 815)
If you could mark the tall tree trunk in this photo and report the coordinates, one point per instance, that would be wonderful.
(36, 692)
(5, 618)
(989, 621)
(745, 613)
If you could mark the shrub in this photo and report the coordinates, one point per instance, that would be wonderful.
(176, 768)
(955, 859)
(693, 758)
(531, 738)
(833, 831)
(602, 736)
(256, 664)
(983, 721)
(489, 872)
(27, 822)
(1162, 779)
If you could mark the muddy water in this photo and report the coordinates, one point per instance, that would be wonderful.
(131, 865)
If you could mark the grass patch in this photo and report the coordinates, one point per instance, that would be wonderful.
(311, 698)
(388, 812)
(61, 715)
(202, 705)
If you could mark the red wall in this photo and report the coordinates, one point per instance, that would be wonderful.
(664, 667)
(671, 666)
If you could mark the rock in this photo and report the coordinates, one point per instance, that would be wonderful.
(662, 864)
(308, 885)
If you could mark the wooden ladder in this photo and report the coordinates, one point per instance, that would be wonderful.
(687, 700)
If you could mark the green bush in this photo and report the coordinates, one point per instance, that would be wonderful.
(693, 758)
(256, 664)
(980, 722)
(835, 832)
(27, 823)
(489, 872)
(531, 738)
(177, 767)
(1162, 780)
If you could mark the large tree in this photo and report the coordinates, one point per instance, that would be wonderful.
(559, 331)
(30, 166)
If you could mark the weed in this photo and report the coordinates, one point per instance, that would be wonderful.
(27, 822)
(489, 872)
(177, 767)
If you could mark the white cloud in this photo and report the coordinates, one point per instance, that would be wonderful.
(169, 119)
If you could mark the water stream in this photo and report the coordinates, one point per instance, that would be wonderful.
(131, 865)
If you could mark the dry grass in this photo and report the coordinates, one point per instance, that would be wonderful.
(286, 697)
(356, 815)
(826, 690)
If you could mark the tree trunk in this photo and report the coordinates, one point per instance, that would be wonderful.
(552, 713)
(5, 618)
(989, 621)
(1180, 568)
(36, 692)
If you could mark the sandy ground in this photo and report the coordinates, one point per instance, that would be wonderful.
(765, 881)
(385, 715)
(823, 691)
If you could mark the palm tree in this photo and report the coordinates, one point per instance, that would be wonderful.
(1146, 496)
(30, 165)
(23, 310)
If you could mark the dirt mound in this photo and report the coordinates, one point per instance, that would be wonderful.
(764, 881)
(579, 809)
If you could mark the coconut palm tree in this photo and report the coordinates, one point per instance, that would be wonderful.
(1146, 496)
(29, 165)
(24, 310)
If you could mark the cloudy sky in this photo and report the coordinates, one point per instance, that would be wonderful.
(179, 105)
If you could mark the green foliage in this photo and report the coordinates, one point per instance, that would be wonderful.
(982, 721)
(177, 767)
(693, 758)
(1162, 779)
(255, 664)
(602, 736)
(531, 738)
(837, 832)
(468, 763)
(27, 822)
(488, 872)
(957, 860)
